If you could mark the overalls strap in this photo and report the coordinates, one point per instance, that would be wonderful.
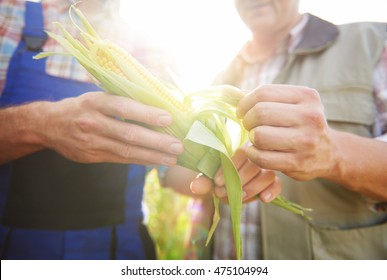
(33, 32)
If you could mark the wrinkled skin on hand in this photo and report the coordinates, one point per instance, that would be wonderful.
(289, 131)
(90, 128)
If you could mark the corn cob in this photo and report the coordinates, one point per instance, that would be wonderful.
(208, 144)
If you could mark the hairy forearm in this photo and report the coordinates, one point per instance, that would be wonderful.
(19, 126)
(361, 164)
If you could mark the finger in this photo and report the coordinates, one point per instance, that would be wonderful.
(126, 108)
(248, 171)
(271, 192)
(275, 160)
(231, 94)
(129, 153)
(270, 93)
(272, 114)
(201, 185)
(272, 138)
(132, 134)
(259, 183)
(109, 150)
(221, 193)
(238, 159)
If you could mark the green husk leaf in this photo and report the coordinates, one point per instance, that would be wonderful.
(200, 134)
(215, 220)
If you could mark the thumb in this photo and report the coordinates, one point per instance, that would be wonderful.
(201, 185)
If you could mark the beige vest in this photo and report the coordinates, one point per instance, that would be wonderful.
(338, 62)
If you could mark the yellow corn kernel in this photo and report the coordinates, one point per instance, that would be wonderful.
(109, 64)
(106, 59)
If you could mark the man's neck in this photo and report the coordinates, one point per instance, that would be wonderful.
(264, 44)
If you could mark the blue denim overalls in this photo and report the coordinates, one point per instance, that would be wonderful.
(53, 208)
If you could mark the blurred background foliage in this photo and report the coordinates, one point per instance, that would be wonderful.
(168, 218)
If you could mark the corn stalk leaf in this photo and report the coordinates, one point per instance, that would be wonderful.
(200, 134)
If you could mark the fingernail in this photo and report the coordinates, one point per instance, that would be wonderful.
(190, 187)
(244, 194)
(165, 120)
(176, 148)
(266, 197)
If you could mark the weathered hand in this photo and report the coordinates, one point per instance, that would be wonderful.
(89, 128)
(288, 129)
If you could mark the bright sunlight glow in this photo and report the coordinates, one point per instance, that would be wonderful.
(203, 35)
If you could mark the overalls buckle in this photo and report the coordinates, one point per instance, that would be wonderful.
(34, 43)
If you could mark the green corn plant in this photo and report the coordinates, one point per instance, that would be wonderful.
(199, 118)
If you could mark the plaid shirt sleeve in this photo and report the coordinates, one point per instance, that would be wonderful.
(12, 12)
(11, 20)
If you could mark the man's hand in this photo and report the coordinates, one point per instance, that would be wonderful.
(91, 128)
(289, 132)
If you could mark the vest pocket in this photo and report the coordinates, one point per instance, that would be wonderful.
(366, 243)
(350, 109)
